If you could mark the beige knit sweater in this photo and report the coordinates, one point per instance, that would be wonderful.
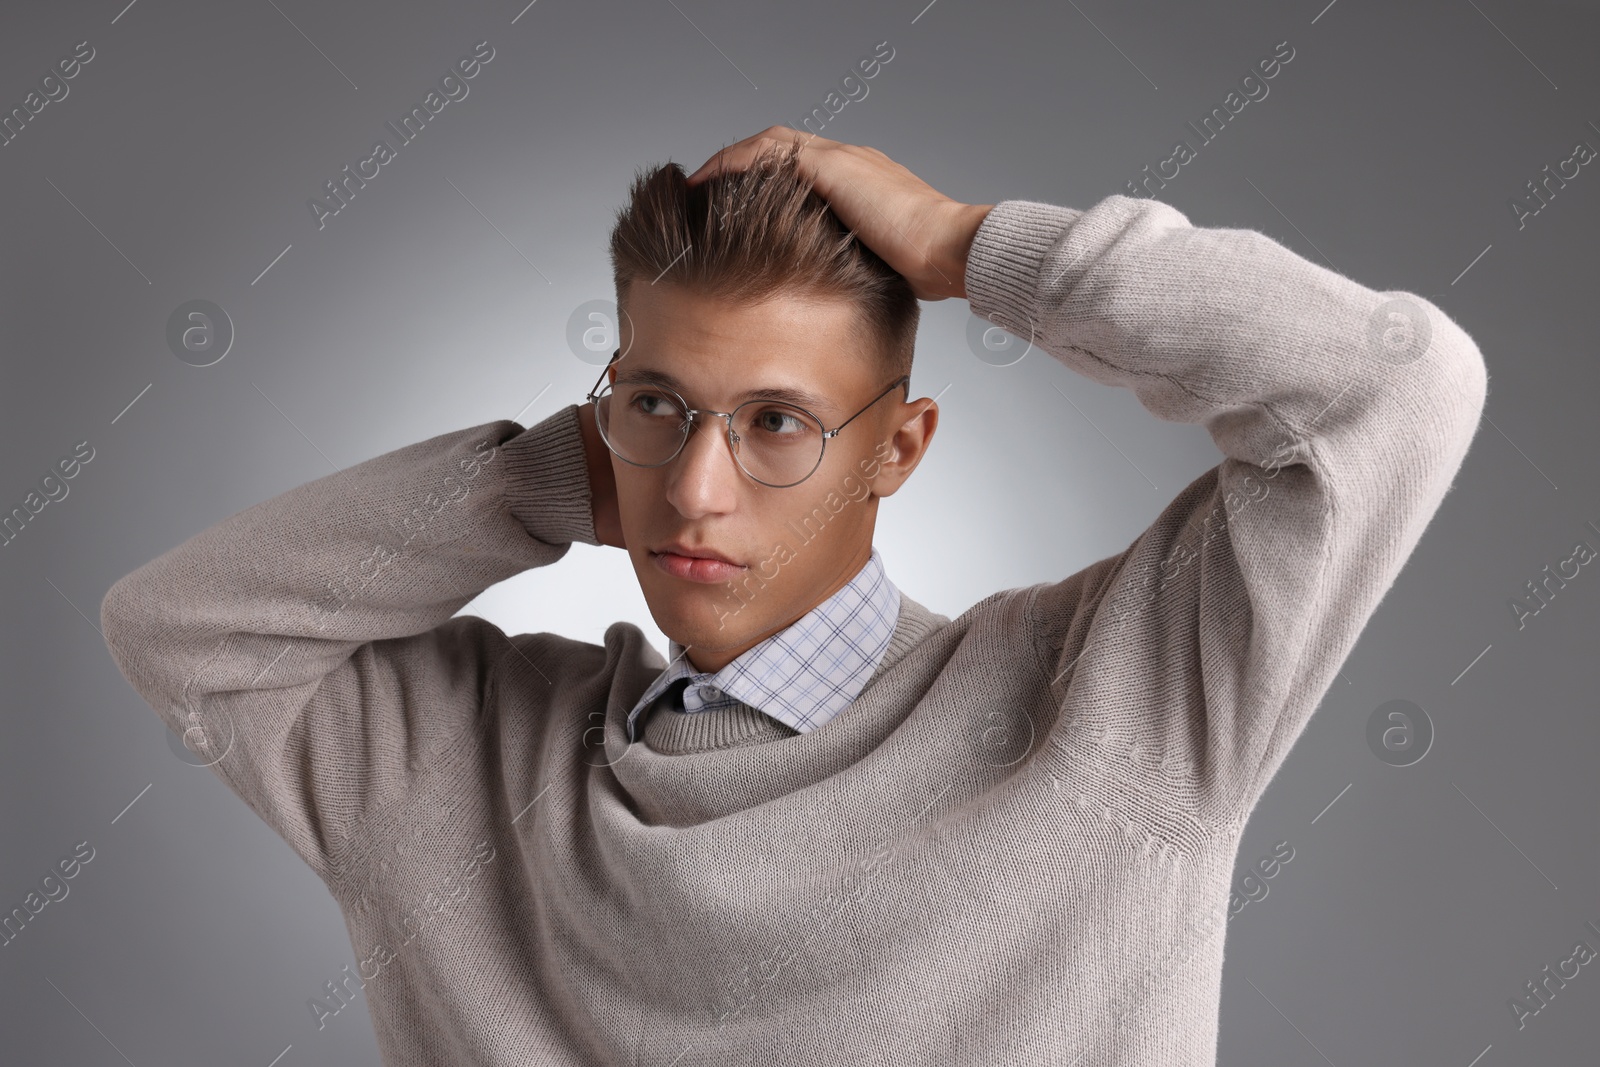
(1013, 848)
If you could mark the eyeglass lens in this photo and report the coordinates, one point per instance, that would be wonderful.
(776, 443)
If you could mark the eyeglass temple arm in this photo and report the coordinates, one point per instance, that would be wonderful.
(904, 379)
(602, 377)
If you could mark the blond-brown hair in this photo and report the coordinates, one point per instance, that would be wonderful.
(747, 235)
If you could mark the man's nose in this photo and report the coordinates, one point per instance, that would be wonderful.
(705, 475)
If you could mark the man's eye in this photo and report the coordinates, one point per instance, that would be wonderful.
(778, 421)
(651, 404)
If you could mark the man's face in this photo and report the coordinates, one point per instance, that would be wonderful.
(794, 546)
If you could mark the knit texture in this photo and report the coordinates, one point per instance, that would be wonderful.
(1014, 846)
(804, 674)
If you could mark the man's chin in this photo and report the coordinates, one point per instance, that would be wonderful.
(709, 616)
(695, 632)
(711, 627)
(712, 621)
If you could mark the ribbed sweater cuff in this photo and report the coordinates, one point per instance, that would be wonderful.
(547, 480)
(1003, 264)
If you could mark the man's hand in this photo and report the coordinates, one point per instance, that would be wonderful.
(921, 233)
(602, 481)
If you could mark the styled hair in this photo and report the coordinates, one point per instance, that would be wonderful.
(748, 235)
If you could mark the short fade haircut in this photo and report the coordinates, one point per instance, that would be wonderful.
(751, 234)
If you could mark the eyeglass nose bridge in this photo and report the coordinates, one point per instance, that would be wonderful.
(691, 415)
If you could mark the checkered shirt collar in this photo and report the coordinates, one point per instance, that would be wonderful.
(805, 674)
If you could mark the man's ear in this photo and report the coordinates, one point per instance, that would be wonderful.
(898, 452)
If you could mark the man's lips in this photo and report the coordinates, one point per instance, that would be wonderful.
(694, 564)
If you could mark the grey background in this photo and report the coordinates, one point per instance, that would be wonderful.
(1419, 899)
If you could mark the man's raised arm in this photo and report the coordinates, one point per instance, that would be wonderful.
(1343, 414)
(305, 648)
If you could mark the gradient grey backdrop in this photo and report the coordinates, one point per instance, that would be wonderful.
(1419, 899)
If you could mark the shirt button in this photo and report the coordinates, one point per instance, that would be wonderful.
(711, 692)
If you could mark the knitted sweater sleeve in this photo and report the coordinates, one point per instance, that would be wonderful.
(1343, 415)
(304, 648)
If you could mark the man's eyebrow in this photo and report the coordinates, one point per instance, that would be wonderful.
(800, 397)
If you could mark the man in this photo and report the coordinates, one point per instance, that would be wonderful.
(835, 827)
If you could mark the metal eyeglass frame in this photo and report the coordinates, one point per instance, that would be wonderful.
(733, 446)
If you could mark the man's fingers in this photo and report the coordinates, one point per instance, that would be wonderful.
(740, 154)
(733, 158)
(893, 212)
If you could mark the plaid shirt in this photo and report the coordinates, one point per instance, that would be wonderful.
(803, 675)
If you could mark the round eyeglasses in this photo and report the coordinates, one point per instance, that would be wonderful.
(776, 443)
